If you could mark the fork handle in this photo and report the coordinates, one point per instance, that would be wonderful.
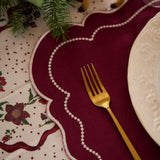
(124, 136)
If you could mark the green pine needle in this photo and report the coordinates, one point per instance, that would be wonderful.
(55, 13)
(57, 16)
(5, 4)
(16, 22)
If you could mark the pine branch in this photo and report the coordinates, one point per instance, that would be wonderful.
(57, 16)
(22, 16)
(16, 21)
(6, 4)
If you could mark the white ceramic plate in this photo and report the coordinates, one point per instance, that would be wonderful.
(144, 77)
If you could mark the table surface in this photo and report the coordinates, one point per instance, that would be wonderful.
(17, 92)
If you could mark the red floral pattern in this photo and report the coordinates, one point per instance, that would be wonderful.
(8, 135)
(5, 139)
(43, 116)
(43, 101)
(1, 89)
(2, 82)
(15, 113)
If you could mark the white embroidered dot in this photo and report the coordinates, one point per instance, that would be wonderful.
(66, 109)
(52, 80)
(82, 129)
(51, 57)
(75, 118)
(57, 86)
(60, 45)
(90, 39)
(87, 148)
(49, 74)
(82, 142)
(65, 102)
(55, 50)
(99, 156)
(70, 40)
(82, 136)
(101, 27)
(49, 71)
(65, 105)
(84, 145)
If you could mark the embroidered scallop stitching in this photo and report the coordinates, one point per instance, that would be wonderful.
(68, 93)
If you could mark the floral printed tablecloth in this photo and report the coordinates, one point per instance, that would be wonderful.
(26, 131)
(23, 120)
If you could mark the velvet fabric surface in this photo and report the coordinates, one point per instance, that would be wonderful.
(108, 49)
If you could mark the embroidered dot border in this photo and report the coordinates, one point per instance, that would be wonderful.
(68, 93)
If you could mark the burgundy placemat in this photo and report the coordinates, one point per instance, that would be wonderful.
(56, 75)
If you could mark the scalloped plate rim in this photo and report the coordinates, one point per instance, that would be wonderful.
(131, 69)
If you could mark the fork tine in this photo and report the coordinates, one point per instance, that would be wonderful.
(98, 79)
(94, 81)
(89, 80)
(86, 84)
(102, 99)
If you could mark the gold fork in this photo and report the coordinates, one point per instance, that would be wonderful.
(100, 97)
